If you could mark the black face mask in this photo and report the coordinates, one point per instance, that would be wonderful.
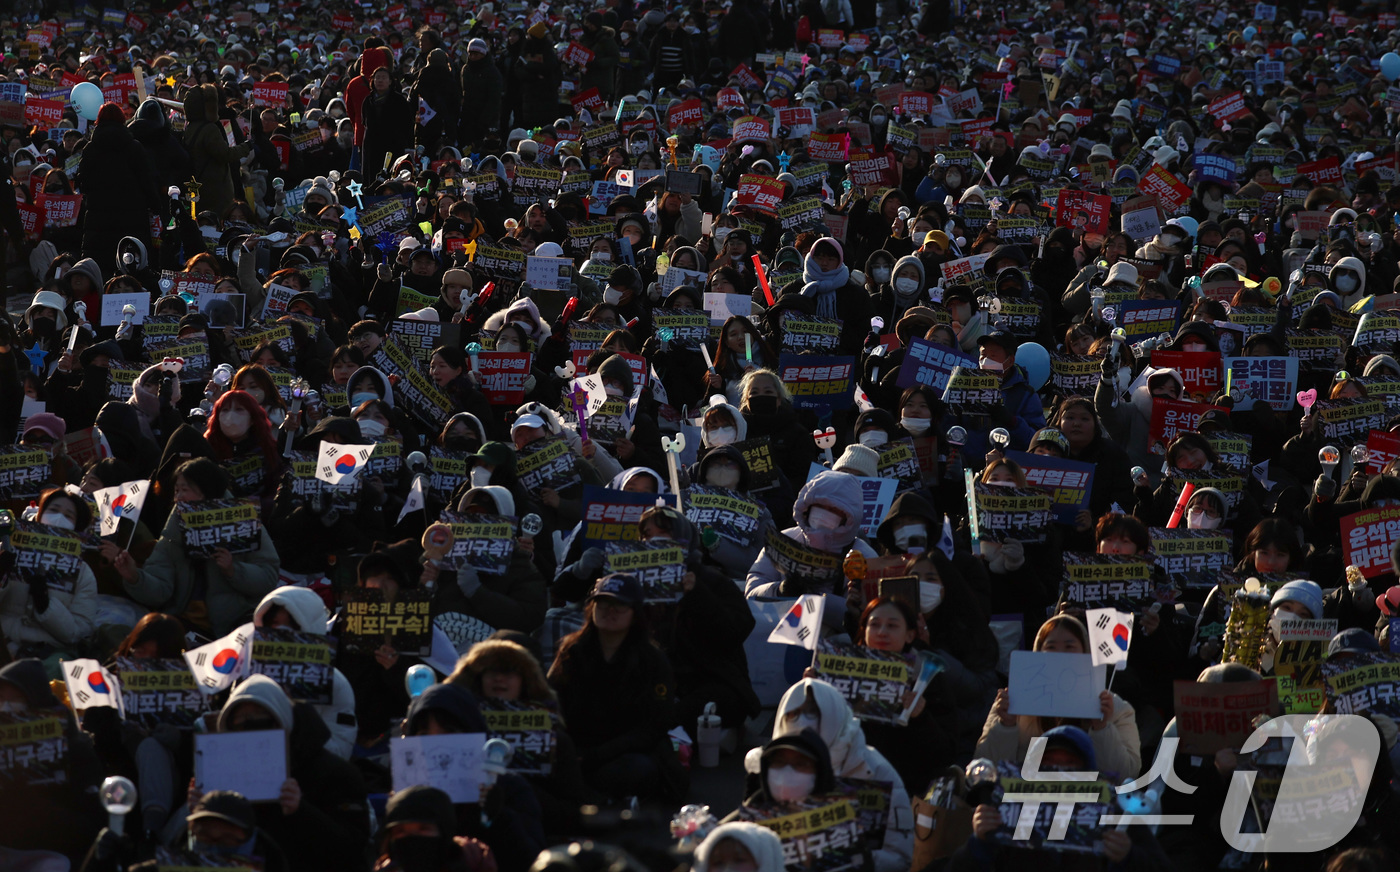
(763, 405)
(255, 724)
(461, 443)
(43, 326)
(418, 853)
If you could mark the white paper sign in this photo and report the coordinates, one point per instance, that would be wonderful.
(112, 308)
(548, 273)
(253, 763)
(675, 277)
(278, 296)
(725, 306)
(452, 763)
(1054, 685)
(1141, 223)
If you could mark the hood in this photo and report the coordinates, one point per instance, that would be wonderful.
(642, 221)
(186, 443)
(175, 385)
(620, 480)
(470, 420)
(152, 113)
(29, 676)
(695, 253)
(1353, 265)
(839, 729)
(733, 454)
(266, 693)
(375, 59)
(121, 424)
(905, 505)
(305, 606)
(1011, 274)
(525, 309)
(876, 418)
(453, 700)
(1202, 330)
(505, 655)
(741, 426)
(1375, 364)
(1380, 487)
(1000, 253)
(1076, 739)
(1142, 394)
(910, 260)
(808, 743)
(385, 388)
(838, 491)
(202, 104)
(1221, 504)
(766, 848)
(500, 497)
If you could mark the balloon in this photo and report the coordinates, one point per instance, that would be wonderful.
(87, 97)
(1299, 39)
(1250, 33)
(1035, 360)
(1390, 65)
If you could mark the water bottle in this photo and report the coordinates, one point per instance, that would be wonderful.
(707, 735)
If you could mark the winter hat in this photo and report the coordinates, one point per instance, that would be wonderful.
(322, 189)
(859, 460)
(478, 45)
(459, 277)
(110, 113)
(538, 30)
(50, 300)
(1123, 272)
(616, 368)
(1305, 593)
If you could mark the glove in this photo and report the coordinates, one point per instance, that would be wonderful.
(1001, 416)
(1014, 554)
(654, 291)
(108, 844)
(529, 384)
(39, 595)
(589, 563)
(468, 580)
(1325, 488)
(1110, 367)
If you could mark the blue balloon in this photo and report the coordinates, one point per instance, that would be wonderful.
(1035, 360)
(87, 97)
(419, 679)
(1390, 65)
(1299, 39)
(1250, 33)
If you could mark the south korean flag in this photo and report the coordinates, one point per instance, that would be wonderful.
(341, 463)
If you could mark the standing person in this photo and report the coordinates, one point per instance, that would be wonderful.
(671, 58)
(482, 89)
(375, 57)
(215, 161)
(388, 121)
(537, 71)
(435, 88)
(601, 72)
(118, 187)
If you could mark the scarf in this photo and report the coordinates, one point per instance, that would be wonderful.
(823, 285)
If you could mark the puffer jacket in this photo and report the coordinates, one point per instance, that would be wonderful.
(835, 490)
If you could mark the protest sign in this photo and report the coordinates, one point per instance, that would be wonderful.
(1102, 580)
(809, 332)
(1302, 647)
(1192, 559)
(419, 338)
(928, 363)
(1054, 684)
(1081, 834)
(658, 564)
(1366, 682)
(158, 691)
(451, 762)
(1069, 482)
(1016, 513)
(1075, 375)
(503, 375)
(873, 682)
(824, 833)
(484, 542)
(758, 456)
(547, 463)
(1346, 422)
(1173, 417)
(973, 390)
(33, 750)
(688, 328)
(1082, 210)
(611, 515)
(253, 763)
(818, 381)
(1368, 537)
(801, 561)
(729, 513)
(297, 660)
(1273, 380)
(1199, 370)
(899, 461)
(209, 525)
(528, 728)
(414, 390)
(46, 555)
(23, 471)
(405, 624)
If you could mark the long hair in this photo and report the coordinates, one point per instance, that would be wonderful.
(259, 428)
(165, 630)
(263, 379)
(638, 634)
(728, 361)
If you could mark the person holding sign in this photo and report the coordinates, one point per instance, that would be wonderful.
(212, 595)
(742, 348)
(1114, 735)
(238, 427)
(768, 410)
(617, 694)
(42, 614)
(828, 515)
(1078, 419)
(321, 817)
(1020, 411)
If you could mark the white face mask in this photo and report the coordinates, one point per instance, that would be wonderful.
(917, 426)
(371, 429)
(989, 365)
(873, 438)
(601, 256)
(930, 595)
(721, 436)
(612, 390)
(881, 273)
(1193, 346)
(906, 285)
(612, 296)
(788, 785)
(362, 397)
(916, 533)
(819, 518)
(481, 476)
(1346, 284)
(54, 519)
(1197, 519)
(235, 422)
(257, 394)
(726, 477)
(508, 345)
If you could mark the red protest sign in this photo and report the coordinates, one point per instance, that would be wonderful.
(637, 363)
(799, 120)
(1200, 370)
(828, 37)
(1228, 107)
(1384, 447)
(343, 21)
(729, 98)
(1213, 717)
(916, 102)
(1327, 171)
(32, 219)
(60, 211)
(1173, 417)
(1170, 191)
(270, 94)
(1367, 537)
(746, 77)
(751, 128)
(829, 146)
(576, 54)
(875, 171)
(686, 112)
(590, 100)
(1083, 210)
(761, 193)
(503, 375)
(43, 113)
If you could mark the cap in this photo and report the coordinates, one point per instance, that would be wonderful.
(1353, 640)
(225, 805)
(621, 586)
(548, 249)
(1003, 338)
(408, 243)
(527, 421)
(46, 422)
(1052, 436)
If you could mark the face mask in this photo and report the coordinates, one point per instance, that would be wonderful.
(721, 436)
(54, 519)
(1346, 284)
(1193, 346)
(930, 595)
(256, 393)
(804, 721)
(915, 535)
(725, 477)
(881, 273)
(721, 233)
(877, 120)
(418, 853)
(362, 397)
(989, 365)
(763, 405)
(481, 476)
(638, 148)
(612, 296)
(235, 423)
(1197, 519)
(906, 286)
(510, 346)
(601, 256)
(13, 708)
(953, 180)
(42, 326)
(873, 438)
(819, 518)
(788, 785)
(917, 426)
(371, 429)
(612, 390)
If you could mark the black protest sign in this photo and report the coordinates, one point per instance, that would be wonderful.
(299, 661)
(370, 621)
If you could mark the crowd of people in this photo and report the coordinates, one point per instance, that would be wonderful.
(500, 377)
